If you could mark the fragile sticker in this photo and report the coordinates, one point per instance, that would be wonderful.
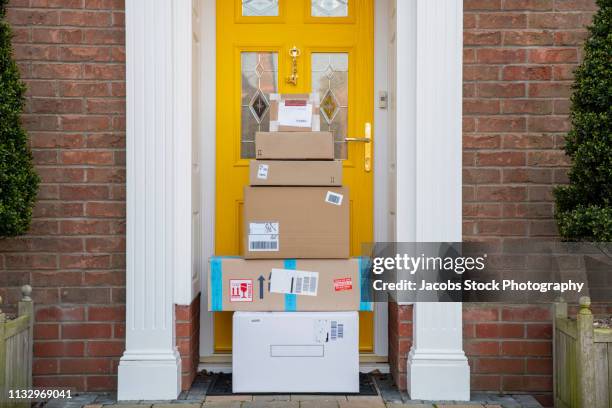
(263, 237)
(262, 171)
(334, 198)
(241, 290)
(290, 281)
(343, 284)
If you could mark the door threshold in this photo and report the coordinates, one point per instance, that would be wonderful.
(222, 363)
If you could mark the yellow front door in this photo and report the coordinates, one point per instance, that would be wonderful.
(335, 43)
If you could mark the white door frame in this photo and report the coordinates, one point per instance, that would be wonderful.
(164, 175)
(208, 110)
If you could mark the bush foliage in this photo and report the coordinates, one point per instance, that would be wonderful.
(18, 180)
(584, 207)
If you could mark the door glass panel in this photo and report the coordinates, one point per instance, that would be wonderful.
(330, 81)
(254, 8)
(329, 8)
(259, 71)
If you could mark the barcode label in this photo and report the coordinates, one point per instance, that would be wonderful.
(270, 245)
(305, 285)
(334, 198)
(294, 282)
(263, 237)
(336, 330)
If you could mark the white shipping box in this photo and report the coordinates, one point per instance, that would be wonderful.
(295, 352)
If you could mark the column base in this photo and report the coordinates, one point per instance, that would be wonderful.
(149, 376)
(438, 376)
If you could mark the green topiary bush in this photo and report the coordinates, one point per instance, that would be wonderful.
(584, 207)
(18, 180)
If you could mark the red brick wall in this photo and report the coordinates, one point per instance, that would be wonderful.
(519, 56)
(188, 340)
(509, 348)
(71, 56)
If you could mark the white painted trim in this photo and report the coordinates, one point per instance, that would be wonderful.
(381, 161)
(208, 81)
(208, 149)
(150, 367)
(429, 166)
(181, 45)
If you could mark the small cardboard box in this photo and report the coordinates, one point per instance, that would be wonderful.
(294, 145)
(296, 222)
(271, 285)
(295, 173)
(294, 112)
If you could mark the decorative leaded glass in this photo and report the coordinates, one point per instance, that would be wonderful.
(255, 8)
(329, 8)
(330, 81)
(259, 79)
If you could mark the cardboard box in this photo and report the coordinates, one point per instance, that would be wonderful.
(294, 112)
(296, 222)
(294, 145)
(295, 352)
(295, 173)
(270, 285)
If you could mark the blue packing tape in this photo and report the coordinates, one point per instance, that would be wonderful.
(290, 299)
(365, 304)
(216, 284)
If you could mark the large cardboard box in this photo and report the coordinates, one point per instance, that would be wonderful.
(294, 145)
(295, 352)
(294, 112)
(296, 222)
(295, 173)
(288, 285)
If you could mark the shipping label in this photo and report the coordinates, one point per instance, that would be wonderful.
(295, 113)
(262, 172)
(263, 237)
(294, 282)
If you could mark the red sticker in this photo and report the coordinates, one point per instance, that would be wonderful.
(343, 284)
(241, 290)
(295, 102)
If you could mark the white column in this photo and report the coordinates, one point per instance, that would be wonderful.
(150, 368)
(429, 151)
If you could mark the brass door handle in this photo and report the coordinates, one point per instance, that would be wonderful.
(367, 147)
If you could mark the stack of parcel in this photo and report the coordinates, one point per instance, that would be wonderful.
(295, 259)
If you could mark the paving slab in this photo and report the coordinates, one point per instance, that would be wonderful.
(452, 405)
(364, 403)
(213, 398)
(271, 404)
(310, 397)
(178, 404)
(222, 404)
(272, 397)
(403, 405)
(318, 404)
